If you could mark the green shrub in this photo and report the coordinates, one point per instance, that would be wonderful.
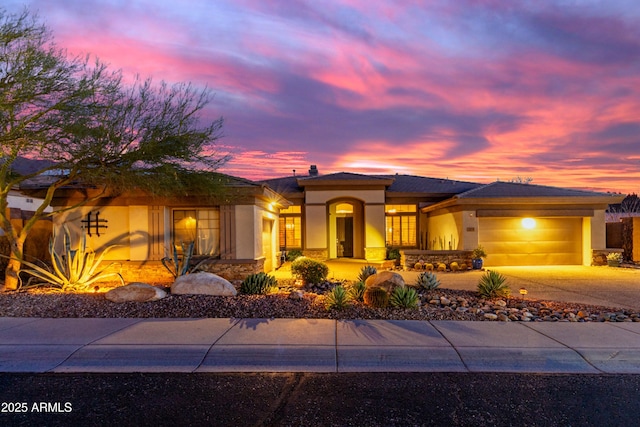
(309, 270)
(258, 284)
(294, 254)
(366, 271)
(492, 285)
(376, 297)
(393, 253)
(338, 299)
(404, 297)
(428, 281)
(356, 291)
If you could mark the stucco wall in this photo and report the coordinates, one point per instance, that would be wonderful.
(444, 230)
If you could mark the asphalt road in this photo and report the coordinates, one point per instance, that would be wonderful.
(297, 399)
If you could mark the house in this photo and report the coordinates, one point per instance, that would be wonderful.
(360, 216)
(346, 215)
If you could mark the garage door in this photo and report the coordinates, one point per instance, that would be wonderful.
(553, 241)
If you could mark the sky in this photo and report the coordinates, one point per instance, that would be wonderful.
(473, 90)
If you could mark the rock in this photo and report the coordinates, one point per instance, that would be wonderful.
(296, 295)
(203, 284)
(491, 316)
(445, 301)
(501, 303)
(135, 292)
(387, 280)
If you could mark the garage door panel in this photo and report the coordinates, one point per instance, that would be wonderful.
(552, 241)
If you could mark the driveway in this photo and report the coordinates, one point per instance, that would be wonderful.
(605, 286)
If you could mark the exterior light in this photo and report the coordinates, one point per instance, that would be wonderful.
(523, 292)
(528, 223)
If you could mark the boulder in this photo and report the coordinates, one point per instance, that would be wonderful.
(203, 283)
(387, 280)
(136, 292)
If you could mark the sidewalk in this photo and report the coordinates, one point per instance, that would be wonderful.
(315, 345)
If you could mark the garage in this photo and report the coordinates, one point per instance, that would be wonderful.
(534, 241)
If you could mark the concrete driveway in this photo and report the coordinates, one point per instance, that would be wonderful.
(606, 286)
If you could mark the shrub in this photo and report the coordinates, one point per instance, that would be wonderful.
(463, 266)
(356, 291)
(376, 297)
(428, 266)
(404, 297)
(427, 281)
(454, 266)
(366, 271)
(492, 285)
(258, 284)
(393, 253)
(338, 298)
(294, 254)
(442, 267)
(309, 270)
(417, 266)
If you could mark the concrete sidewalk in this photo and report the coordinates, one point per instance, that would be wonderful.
(315, 345)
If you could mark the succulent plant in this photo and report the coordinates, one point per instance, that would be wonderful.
(356, 291)
(442, 267)
(376, 297)
(454, 266)
(257, 284)
(404, 297)
(492, 285)
(338, 298)
(428, 281)
(366, 271)
(418, 266)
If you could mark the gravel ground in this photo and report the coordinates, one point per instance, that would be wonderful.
(441, 304)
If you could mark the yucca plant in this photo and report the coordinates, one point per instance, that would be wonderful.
(492, 285)
(338, 299)
(356, 291)
(404, 297)
(74, 270)
(258, 284)
(427, 281)
(366, 271)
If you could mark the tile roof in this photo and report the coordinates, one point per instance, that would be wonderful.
(421, 184)
(511, 189)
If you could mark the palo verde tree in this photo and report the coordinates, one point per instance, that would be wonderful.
(92, 128)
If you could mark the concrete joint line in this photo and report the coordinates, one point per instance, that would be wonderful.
(214, 343)
(452, 346)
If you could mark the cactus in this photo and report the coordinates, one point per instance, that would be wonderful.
(463, 266)
(454, 266)
(428, 281)
(376, 297)
(417, 266)
(428, 266)
(257, 284)
(442, 267)
(366, 271)
(404, 297)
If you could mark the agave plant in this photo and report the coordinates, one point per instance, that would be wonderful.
(337, 299)
(404, 297)
(428, 281)
(492, 285)
(73, 270)
(356, 291)
(258, 284)
(366, 271)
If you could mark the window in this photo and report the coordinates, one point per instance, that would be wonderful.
(401, 225)
(201, 226)
(290, 227)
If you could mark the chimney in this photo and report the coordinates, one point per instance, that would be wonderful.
(313, 170)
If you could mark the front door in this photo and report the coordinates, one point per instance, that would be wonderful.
(344, 233)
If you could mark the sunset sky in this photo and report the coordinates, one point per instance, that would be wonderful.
(474, 90)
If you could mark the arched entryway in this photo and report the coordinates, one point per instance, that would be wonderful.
(346, 229)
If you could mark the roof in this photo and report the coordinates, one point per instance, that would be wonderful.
(514, 190)
(421, 184)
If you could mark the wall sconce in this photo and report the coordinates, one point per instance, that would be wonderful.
(528, 223)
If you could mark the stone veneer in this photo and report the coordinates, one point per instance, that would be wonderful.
(409, 257)
(317, 254)
(155, 272)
